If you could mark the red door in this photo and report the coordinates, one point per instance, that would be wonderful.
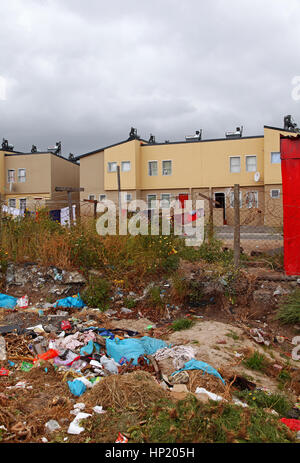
(182, 199)
(290, 168)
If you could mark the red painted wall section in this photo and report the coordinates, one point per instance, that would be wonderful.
(290, 168)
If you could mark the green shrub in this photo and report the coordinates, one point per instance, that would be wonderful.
(262, 399)
(129, 302)
(97, 294)
(182, 324)
(289, 312)
(256, 362)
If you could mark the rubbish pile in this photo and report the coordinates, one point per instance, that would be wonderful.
(84, 354)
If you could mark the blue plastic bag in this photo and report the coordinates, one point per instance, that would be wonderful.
(133, 348)
(8, 302)
(194, 364)
(77, 387)
(73, 301)
(88, 349)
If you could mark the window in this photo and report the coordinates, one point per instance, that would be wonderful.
(152, 168)
(235, 165)
(167, 167)
(92, 197)
(231, 199)
(252, 199)
(165, 200)
(102, 197)
(251, 164)
(126, 166)
(275, 194)
(23, 204)
(12, 202)
(151, 201)
(127, 197)
(22, 175)
(275, 157)
(112, 167)
(10, 176)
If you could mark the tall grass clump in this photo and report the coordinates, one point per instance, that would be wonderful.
(289, 312)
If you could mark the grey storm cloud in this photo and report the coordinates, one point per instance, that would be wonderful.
(85, 72)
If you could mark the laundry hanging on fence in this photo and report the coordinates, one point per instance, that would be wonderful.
(13, 211)
(65, 216)
(55, 215)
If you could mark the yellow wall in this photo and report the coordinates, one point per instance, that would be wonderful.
(204, 164)
(38, 173)
(129, 151)
(92, 175)
(272, 143)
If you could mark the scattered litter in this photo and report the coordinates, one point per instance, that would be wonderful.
(198, 365)
(180, 355)
(23, 302)
(294, 425)
(99, 409)
(8, 302)
(52, 425)
(121, 439)
(211, 395)
(72, 301)
(74, 427)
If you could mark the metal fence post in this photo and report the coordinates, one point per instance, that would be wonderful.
(237, 230)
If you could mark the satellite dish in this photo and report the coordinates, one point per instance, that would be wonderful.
(256, 176)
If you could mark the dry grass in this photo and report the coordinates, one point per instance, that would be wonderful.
(132, 390)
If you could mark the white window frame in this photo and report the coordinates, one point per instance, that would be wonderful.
(251, 156)
(21, 181)
(125, 162)
(109, 170)
(234, 157)
(91, 198)
(104, 199)
(247, 204)
(152, 175)
(162, 200)
(275, 152)
(12, 199)
(162, 167)
(279, 193)
(151, 207)
(8, 179)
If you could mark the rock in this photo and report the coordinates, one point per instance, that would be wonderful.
(180, 388)
(178, 395)
(2, 349)
(280, 291)
(73, 278)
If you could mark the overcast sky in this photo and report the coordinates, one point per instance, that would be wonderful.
(84, 72)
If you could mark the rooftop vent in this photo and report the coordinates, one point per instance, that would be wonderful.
(196, 137)
(237, 134)
(34, 149)
(133, 134)
(6, 146)
(55, 149)
(290, 124)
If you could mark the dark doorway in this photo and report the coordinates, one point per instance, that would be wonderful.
(220, 199)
